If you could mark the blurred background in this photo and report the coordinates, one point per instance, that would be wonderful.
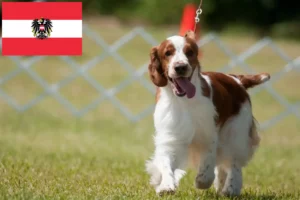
(259, 17)
(81, 127)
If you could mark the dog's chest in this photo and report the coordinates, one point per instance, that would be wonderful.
(200, 112)
(182, 117)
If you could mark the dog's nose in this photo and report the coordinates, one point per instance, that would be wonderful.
(181, 69)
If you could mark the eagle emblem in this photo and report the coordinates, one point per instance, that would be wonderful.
(41, 28)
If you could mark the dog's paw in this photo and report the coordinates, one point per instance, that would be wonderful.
(204, 180)
(218, 185)
(178, 174)
(166, 188)
(231, 191)
(155, 175)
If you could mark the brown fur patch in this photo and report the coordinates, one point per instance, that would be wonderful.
(158, 67)
(190, 49)
(228, 95)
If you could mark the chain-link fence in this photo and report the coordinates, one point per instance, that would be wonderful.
(24, 66)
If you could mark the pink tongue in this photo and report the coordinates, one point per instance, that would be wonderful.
(187, 86)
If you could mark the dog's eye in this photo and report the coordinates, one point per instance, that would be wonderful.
(189, 53)
(168, 53)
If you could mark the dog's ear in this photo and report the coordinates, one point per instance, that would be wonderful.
(190, 34)
(155, 69)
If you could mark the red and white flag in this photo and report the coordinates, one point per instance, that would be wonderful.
(26, 32)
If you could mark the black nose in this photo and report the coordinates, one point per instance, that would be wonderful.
(181, 69)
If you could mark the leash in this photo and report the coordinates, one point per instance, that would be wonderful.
(198, 13)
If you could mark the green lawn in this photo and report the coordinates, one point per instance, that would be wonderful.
(45, 153)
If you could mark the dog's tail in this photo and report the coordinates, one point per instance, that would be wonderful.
(249, 81)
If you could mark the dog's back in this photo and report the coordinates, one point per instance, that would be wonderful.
(234, 112)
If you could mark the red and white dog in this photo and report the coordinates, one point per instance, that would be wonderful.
(206, 115)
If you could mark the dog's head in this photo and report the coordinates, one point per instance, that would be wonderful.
(174, 61)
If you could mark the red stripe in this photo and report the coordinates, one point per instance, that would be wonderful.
(36, 47)
(50, 10)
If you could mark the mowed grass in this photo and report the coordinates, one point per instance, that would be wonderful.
(46, 153)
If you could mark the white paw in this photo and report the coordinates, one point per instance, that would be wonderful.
(165, 188)
(218, 185)
(178, 174)
(155, 175)
(220, 179)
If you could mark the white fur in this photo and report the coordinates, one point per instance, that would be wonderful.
(207, 79)
(181, 123)
(179, 56)
(234, 150)
(264, 78)
(236, 79)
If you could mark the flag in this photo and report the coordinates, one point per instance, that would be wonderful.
(188, 19)
(41, 28)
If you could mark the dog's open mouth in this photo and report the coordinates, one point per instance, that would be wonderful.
(182, 86)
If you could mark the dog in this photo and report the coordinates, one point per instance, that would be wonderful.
(205, 116)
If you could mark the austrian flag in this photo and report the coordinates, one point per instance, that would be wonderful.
(41, 28)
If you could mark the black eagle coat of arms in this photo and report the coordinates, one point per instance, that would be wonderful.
(41, 28)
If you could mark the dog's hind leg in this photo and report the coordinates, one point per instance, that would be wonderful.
(207, 162)
(234, 180)
(220, 178)
(238, 141)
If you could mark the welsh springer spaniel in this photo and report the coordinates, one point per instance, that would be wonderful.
(204, 115)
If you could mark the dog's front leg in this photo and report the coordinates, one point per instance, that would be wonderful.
(207, 147)
(167, 166)
(167, 184)
(163, 161)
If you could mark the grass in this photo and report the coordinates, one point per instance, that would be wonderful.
(45, 153)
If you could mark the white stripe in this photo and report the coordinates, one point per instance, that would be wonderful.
(208, 81)
(60, 29)
(236, 79)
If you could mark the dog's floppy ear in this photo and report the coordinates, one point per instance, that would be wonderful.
(190, 34)
(155, 69)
